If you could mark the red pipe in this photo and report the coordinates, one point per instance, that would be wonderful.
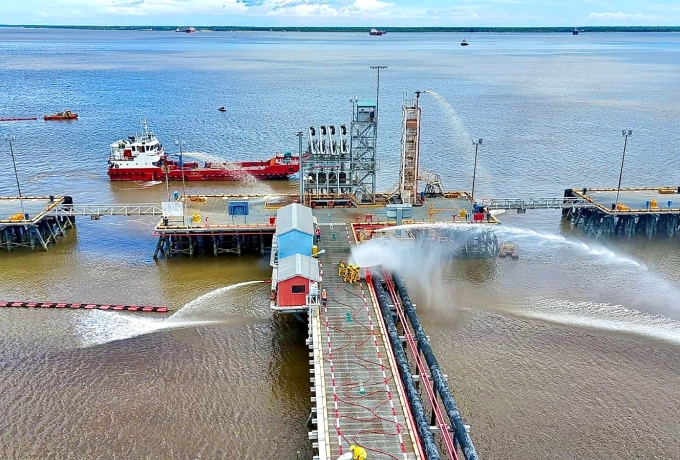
(422, 371)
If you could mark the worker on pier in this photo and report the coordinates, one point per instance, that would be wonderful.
(342, 268)
(348, 274)
(324, 297)
(351, 274)
(358, 452)
(318, 235)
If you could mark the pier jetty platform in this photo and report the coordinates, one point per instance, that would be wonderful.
(28, 222)
(626, 212)
(374, 382)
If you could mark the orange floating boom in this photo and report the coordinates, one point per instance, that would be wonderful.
(19, 119)
(88, 306)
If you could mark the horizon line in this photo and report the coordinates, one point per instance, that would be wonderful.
(584, 28)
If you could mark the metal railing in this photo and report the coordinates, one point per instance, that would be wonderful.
(137, 209)
(537, 203)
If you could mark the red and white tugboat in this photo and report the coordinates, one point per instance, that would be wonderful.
(143, 158)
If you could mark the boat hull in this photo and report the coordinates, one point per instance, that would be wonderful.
(57, 118)
(277, 172)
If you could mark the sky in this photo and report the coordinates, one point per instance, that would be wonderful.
(324, 13)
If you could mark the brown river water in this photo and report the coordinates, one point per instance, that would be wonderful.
(569, 352)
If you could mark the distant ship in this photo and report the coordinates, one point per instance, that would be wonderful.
(376, 32)
(188, 30)
(575, 31)
(464, 43)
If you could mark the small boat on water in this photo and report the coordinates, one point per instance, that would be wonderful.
(222, 109)
(464, 43)
(376, 32)
(67, 115)
(575, 31)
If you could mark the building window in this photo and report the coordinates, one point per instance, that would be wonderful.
(298, 289)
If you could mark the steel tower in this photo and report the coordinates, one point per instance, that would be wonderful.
(341, 164)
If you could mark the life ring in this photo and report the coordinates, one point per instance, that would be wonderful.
(331, 203)
(117, 166)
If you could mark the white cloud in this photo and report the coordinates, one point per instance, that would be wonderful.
(307, 9)
(368, 5)
(620, 16)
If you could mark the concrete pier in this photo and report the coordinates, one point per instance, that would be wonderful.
(357, 393)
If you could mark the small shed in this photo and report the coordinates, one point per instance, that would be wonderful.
(294, 230)
(294, 277)
(366, 111)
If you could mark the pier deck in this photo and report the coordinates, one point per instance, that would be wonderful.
(34, 206)
(635, 199)
(263, 208)
(37, 227)
(359, 396)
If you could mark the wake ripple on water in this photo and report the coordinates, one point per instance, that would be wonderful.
(603, 316)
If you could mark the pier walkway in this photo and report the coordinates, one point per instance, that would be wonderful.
(98, 210)
(358, 394)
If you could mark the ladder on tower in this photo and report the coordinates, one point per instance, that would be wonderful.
(408, 176)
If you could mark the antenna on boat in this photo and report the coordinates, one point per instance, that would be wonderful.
(145, 128)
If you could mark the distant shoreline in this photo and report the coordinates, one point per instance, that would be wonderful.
(584, 29)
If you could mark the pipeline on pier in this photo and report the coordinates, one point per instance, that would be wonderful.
(400, 307)
(426, 436)
(461, 434)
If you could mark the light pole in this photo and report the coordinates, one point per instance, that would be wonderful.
(180, 143)
(301, 173)
(353, 101)
(167, 179)
(626, 134)
(10, 139)
(377, 92)
(476, 143)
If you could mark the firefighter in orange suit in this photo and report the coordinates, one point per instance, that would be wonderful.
(324, 297)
